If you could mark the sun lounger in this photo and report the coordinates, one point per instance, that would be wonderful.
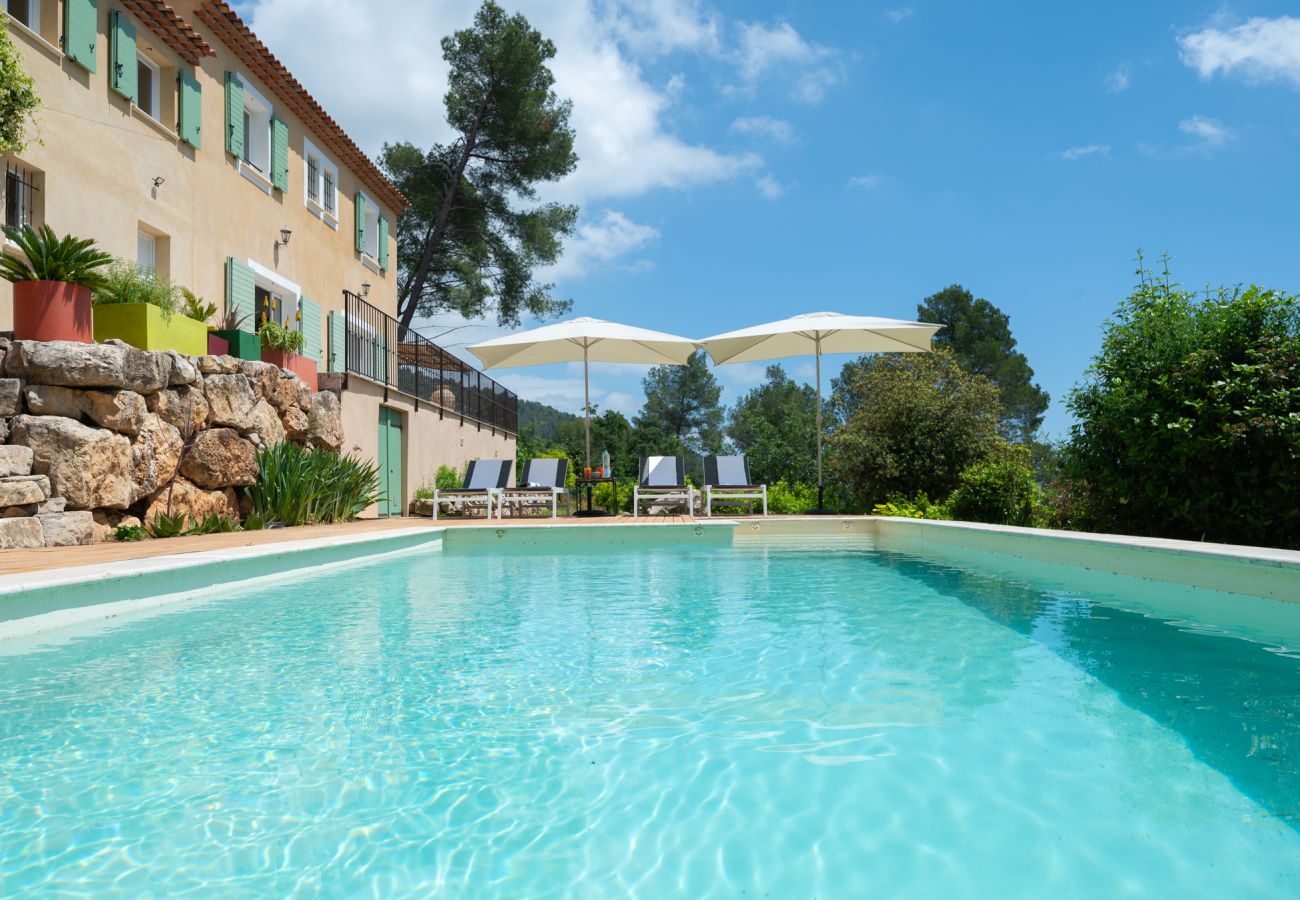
(662, 482)
(727, 481)
(484, 481)
(540, 483)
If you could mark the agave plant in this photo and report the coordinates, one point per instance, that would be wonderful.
(297, 486)
(53, 258)
(233, 320)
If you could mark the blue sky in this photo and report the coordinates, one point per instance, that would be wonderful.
(746, 162)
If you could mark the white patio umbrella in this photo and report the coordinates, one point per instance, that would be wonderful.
(818, 333)
(589, 340)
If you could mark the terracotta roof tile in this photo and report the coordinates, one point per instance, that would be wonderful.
(168, 25)
(231, 30)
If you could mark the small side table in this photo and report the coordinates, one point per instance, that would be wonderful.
(590, 484)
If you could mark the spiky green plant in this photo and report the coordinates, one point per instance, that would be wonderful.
(297, 486)
(165, 526)
(213, 524)
(53, 258)
(195, 307)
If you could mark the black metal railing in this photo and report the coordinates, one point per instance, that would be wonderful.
(377, 347)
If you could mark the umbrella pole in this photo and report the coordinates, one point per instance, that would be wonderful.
(820, 506)
(586, 405)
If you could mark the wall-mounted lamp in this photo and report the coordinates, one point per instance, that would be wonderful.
(285, 234)
(158, 182)
(365, 289)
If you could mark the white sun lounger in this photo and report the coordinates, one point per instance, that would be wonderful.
(662, 481)
(726, 480)
(484, 482)
(541, 482)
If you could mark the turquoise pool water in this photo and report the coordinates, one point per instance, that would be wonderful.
(654, 722)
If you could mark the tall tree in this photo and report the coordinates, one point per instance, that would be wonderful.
(463, 245)
(979, 336)
(682, 403)
(774, 425)
(910, 422)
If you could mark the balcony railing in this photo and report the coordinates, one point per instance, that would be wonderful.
(377, 347)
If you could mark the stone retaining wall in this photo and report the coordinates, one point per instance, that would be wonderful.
(93, 436)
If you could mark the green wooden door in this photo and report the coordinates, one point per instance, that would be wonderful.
(390, 462)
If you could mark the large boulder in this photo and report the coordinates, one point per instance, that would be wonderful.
(91, 467)
(220, 458)
(11, 396)
(15, 461)
(155, 455)
(183, 497)
(72, 364)
(264, 377)
(218, 365)
(52, 400)
(230, 401)
(296, 425)
(121, 411)
(68, 529)
(183, 371)
(21, 534)
(22, 490)
(184, 408)
(107, 522)
(325, 421)
(266, 424)
(290, 392)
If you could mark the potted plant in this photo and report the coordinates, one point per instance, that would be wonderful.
(243, 343)
(281, 346)
(53, 285)
(194, 307)
(145, 310)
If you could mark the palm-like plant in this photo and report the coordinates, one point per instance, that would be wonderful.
(51, 258)
(297, 486)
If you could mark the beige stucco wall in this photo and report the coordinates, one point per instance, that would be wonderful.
(428, 441)
(99, 157)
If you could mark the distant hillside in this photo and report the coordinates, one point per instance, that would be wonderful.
(543, 419)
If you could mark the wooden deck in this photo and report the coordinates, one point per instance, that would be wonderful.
(14, 562)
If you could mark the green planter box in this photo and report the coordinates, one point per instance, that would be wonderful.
(243, 344)
(144, 325)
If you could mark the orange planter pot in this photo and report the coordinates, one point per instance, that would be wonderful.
(296, 363)
(52, 311)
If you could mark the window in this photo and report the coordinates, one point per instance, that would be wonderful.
(322, 182)
(28, 12)
(147, 85)
(22, 188)
(372, 229)
(257, 131)
(146, 256)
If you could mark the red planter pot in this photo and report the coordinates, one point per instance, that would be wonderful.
(296, 363)
(217, 346)
(52, 311)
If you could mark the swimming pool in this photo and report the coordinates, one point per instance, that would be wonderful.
(662, 719)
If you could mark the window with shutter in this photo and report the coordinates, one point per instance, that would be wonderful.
(80, 32)
(191, 107)
(234, 115)
(124, 71)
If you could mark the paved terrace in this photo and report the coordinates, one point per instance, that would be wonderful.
(14, 562)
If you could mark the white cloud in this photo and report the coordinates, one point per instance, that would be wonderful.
(777, 130)
(864, 182)
(769, 187)
(1260, 50)
(764, 49)
(599, 242)
(900, 15)
(1209, 132)
(1118, 80)
(1074, 153)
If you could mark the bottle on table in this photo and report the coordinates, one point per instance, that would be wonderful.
(604, 463)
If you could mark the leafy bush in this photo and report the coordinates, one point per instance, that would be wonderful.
(791, 498)
(447, 479)
(1189, 422)
(18, 99)
(165, 525)
(130, 533)
(999, 489)
(424, 492)
(919, 507)
(128, 283)
(194, 307)
(53, 258)
(297, 486)
(910, 422)
(275, 337)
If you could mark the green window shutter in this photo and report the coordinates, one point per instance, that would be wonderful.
(122, 72)
(361, 222)
(383, 243)
(80, 32)
(241, 292)
(279, 154)
(337, 336)
(312, 347)
(234, 115)
(191, 105)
